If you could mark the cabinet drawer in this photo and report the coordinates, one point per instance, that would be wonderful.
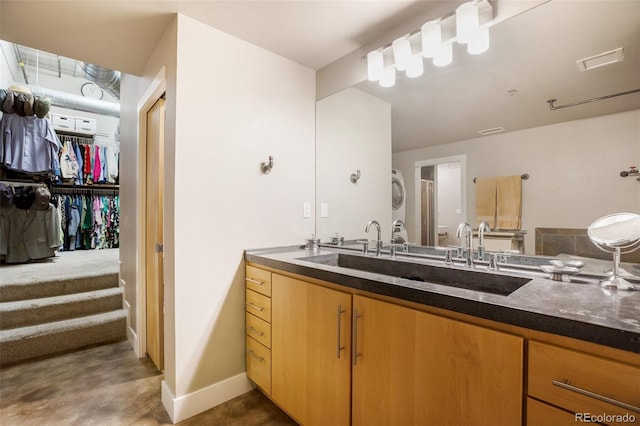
(541, 414)
(258, 305)
(258, 329)
(63, 122)
(583, 383)
(258, 280)
(259, 365)
(86, 125)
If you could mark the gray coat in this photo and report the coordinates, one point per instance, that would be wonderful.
(28, 234)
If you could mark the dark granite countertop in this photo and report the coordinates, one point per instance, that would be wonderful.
(581, 310)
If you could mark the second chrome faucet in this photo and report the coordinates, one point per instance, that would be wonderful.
(379, 240)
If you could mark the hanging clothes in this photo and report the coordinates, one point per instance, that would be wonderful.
(28, 144)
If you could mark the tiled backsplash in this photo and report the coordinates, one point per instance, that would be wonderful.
(574, 241)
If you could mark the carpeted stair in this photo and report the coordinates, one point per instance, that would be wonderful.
(59, 315)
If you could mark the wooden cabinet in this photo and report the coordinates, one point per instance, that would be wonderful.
(417, 368)
(541, 414)
(584, 383)
(311, 367)
(258, 327)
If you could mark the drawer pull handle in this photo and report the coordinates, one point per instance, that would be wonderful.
(259, 358)
(257, 308)
(253, 330)
(251, 280)
(339, 347)
(565, 384)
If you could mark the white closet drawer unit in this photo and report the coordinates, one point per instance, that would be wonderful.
(63, 122)
(86, 125)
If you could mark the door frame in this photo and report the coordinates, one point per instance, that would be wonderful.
(156, 89)
(462, 159)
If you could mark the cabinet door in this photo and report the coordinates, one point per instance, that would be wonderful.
(311, 375)
(422, 369)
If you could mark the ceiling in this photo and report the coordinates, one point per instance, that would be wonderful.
(531, 59)
(121, 34)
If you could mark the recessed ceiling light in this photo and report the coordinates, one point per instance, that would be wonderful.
(486, 132)
(600, 60)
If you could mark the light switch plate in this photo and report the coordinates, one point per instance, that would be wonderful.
(324, 210)
(306, 209)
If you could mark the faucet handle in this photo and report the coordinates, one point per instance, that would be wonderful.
(448, 253)
(459, 250)
(493, 262)
(365, 246)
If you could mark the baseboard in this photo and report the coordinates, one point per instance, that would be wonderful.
(132, 336)
(201, 400)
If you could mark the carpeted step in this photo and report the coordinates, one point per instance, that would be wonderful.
(37, 289)
(24, 343)
(38, 311)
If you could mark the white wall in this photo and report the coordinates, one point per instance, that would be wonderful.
(233, 108)
(8, 71)
(574, 169)
(353, 131)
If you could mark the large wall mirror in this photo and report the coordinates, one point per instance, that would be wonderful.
(427, 129)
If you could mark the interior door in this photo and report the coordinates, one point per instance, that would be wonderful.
(153, 233)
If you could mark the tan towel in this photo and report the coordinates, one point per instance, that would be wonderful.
(486, 201)
(509, 202)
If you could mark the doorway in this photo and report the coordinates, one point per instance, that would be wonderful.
(440, 194)
(154, 234)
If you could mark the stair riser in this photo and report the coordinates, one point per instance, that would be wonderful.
(63, 341)
(49, 313)
(11, 293)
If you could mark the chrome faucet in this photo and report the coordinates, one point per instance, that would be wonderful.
(484, 227)
(379, 240)
(465, 230)
(397, 226)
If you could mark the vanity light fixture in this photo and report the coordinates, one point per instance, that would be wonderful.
(468, 24)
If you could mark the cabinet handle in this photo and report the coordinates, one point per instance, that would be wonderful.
(338, 346)
(253, 330)
(259, 358)
(565, 384)
(257, 308)
(354, 337)
(251, 280)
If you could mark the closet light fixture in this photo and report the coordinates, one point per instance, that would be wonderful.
(468, 24)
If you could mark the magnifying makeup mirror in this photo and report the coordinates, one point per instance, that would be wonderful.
(616, 233)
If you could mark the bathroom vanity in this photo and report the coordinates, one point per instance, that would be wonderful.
(331, 342)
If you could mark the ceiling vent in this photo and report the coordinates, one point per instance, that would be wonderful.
(486, 132)
(600, 60)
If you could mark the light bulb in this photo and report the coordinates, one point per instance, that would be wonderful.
(415, 67)
(444, 55)
(479, 42)
(431, 38)
(375, 65)
(401, 53)
(388, 78)
(467, 21)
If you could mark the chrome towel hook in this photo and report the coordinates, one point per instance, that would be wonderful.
(355, 176)
(266, 167)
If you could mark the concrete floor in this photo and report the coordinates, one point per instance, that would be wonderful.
(108, 385)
